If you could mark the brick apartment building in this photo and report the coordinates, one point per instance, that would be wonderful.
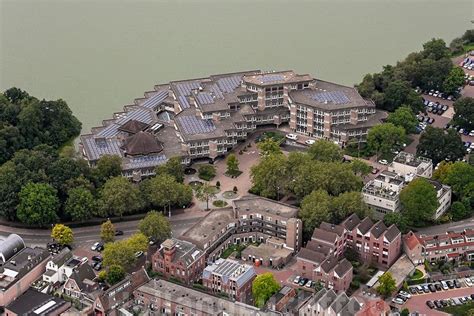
(19, 271)
(382, 194)
(250, 219)
(328, 303)
(230, 278)
(207, 117)
(321, 258)
(179, 259)
(449, 246)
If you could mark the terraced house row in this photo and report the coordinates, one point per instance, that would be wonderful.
(207, 117)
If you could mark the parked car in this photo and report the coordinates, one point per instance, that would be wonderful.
(425, 288)
(438, 287)
(450, 284)
(84, 260)
(310, 142)
(118, 232)
(419, 289)
(444, 285)
(403, 298)
(375, 170)
(471, 133)
(430, 304)
(412, 290)
(309, 284)
(431, 120)
(95, 245)
(432, 288)
(291, 136)
(468, 282)
(297, 279)
(97, 266)
(138, 254)
(398, 301)
(457, 284)
(403, 293)
(383, 162)
(437, 304)
(97, 258)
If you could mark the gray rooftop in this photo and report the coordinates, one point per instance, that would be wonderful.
(264, 206)
(10, 246)
(230, 270)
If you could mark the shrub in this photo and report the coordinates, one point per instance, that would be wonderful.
(207, 172)
(218, 184)
(235, 189)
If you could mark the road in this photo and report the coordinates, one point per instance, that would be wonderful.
(87, 235)
(442, 229)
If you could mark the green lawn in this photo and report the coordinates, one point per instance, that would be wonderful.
(417, 275)
(467, 49)
(461, 310)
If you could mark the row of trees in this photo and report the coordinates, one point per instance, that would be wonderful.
(428, 69)
(26, 122)
(40, 186)
(457, 45)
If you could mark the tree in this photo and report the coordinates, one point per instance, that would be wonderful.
(442, 171)
(118, 253)
(435, 49)
(315, 208)
(398, 93)
(439, 145)
(269, 176)
(346, 204)
(263, 287)
(383, 138)
(459, 211)
(108, 166)
(155, 226)
(326, 151)
(386, 285)
(405, 312)
(62, 234)
(464, 112)
(206, 172)
(107, 231)
(460, 176)
(115, 274)
(80, 204)
(137, 242)
(163, 191)
(397, 219)
(454, 80)
(269, 146)
(118, 197)
(404, 117)
(205, 192)
(419, 201)
(172, 167)
(360, 168)
(232, 165)
(38, 204)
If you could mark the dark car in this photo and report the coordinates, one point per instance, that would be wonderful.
(457, 284)
(118, 232)
(413, 290)
(98, 266)
(432, 288)
(303, 281)
(375, 170)
(97, 258)
(430, 304)
(472, 296)
(444, 303)
(437, 304)
(100, 246)
(450, 284)
(438, 287)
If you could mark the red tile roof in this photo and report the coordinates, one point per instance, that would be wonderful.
(411, 240)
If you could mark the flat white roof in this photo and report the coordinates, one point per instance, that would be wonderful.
(375, 278)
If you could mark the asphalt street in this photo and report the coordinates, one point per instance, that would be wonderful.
(87, 235)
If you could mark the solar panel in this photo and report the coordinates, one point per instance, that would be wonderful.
(336, 97)
(141, 115)
(155, 100)
(192, 125)
(184, 88)
(184, 102)
(216, 91)
(205, 98)
(272, 78)
(229, 84)
(98, 148)
(109, 131)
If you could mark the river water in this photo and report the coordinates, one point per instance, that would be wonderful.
(100, 55)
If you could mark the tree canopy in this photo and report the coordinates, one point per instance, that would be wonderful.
(384, 138)
(38, 204)
(107, 231)
(464, 113)
(439, 145)
(315, 209)
(263, 287)
(172, 167)
(119, 197)
(269, 176)
(386, 285)
(325, 151)
(404, 117)
(419, 201)
(115, 274)
(62, 234)
(155, 225)
(80, 204)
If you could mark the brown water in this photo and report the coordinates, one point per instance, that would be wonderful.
(100, 55)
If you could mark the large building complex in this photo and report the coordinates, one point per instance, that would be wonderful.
(382, 194)
(206, 117)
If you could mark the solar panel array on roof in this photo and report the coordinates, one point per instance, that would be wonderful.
(336, 97)
(272, 78)
(109, 131)
(146, 161)
(184, 88)
(217, 92)
(205, 98)
(184, 102)
(98, 148)
(229, 84)
(192, 125)
(155, 100)
(141, 115)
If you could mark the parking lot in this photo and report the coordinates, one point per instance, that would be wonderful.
(438, 294)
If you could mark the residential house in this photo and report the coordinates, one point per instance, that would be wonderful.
(56, 268)
(33, 302)
(81, 284)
